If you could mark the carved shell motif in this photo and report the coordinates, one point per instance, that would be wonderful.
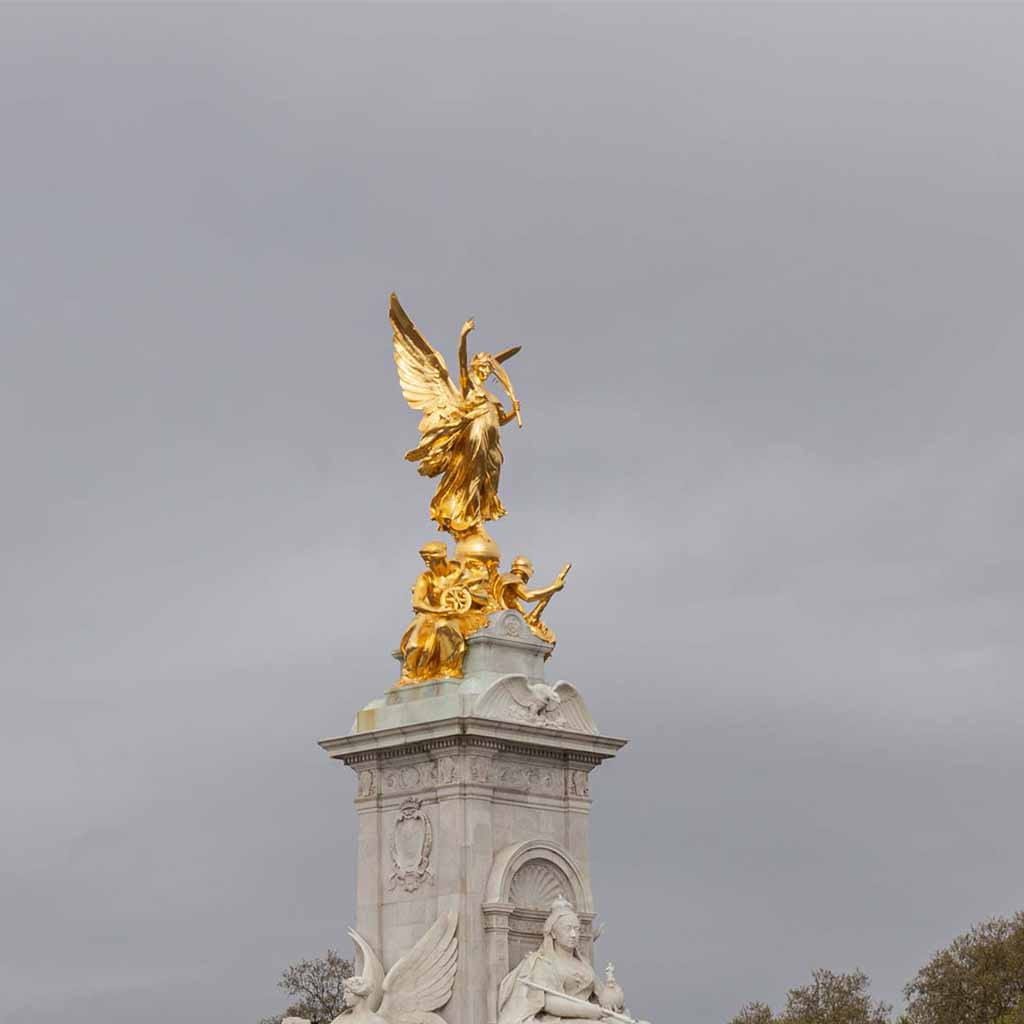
(537, 884)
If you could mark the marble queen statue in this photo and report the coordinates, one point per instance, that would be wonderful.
(555, 983)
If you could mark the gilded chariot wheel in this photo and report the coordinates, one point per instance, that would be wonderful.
(457, 600)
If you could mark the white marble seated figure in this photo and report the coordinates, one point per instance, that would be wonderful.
(566, 986)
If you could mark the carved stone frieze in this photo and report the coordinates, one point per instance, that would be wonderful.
(579, 783)
(529, 777)
(410, 777)
(481, 770)
(447, 771)
(367, 783)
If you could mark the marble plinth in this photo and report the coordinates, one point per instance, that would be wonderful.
(473, 795)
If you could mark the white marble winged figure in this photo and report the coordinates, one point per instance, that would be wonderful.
(418, 984)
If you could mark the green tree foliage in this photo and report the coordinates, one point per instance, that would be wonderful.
(977, 979)
(318, 986)
(754, 1013)
(834, 999)
(828, 999)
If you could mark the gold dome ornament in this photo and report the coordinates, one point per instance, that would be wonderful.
(477, 545)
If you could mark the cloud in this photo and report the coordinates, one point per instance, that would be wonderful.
(764, 267)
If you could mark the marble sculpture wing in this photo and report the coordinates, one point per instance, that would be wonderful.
(577, 717)
(514, 698)
(422, 980)
(371, 970)
(504, 696)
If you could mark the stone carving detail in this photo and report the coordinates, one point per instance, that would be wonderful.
(412, 839)
(419, 983)
(537, 884)
(525, 776)
(513, 775)
(410, 777)
(481, 770)
(510, 625)
(579, 783)
(397, 780)
(367, 783)
(514, 698)
(447, 771)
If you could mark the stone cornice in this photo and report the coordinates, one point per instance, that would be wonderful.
(469, 732)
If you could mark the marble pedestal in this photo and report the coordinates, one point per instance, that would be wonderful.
(473, 795)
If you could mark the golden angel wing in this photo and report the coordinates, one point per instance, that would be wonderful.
(422, 372)
(423, 979)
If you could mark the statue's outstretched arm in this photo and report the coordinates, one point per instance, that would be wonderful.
(508, 417)
(553, 588)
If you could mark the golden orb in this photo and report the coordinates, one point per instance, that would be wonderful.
(477, 545)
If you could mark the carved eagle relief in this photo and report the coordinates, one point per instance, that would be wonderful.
(514, 698)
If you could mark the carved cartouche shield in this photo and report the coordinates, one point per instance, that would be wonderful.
(411, 841)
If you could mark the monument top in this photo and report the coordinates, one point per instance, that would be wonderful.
(473, 771)
(460, 442)
(503, 681)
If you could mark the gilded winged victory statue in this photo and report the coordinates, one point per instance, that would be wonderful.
(460, 432)
(460, 442)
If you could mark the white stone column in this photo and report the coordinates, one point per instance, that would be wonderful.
(473, 795)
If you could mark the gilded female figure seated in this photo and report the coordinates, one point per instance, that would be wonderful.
(444, 601)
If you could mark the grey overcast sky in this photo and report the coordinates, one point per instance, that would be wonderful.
(766, 267)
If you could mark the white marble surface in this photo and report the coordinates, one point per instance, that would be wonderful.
(504, 650)
(472, 813)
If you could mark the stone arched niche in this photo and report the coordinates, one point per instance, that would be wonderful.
(525, 880)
